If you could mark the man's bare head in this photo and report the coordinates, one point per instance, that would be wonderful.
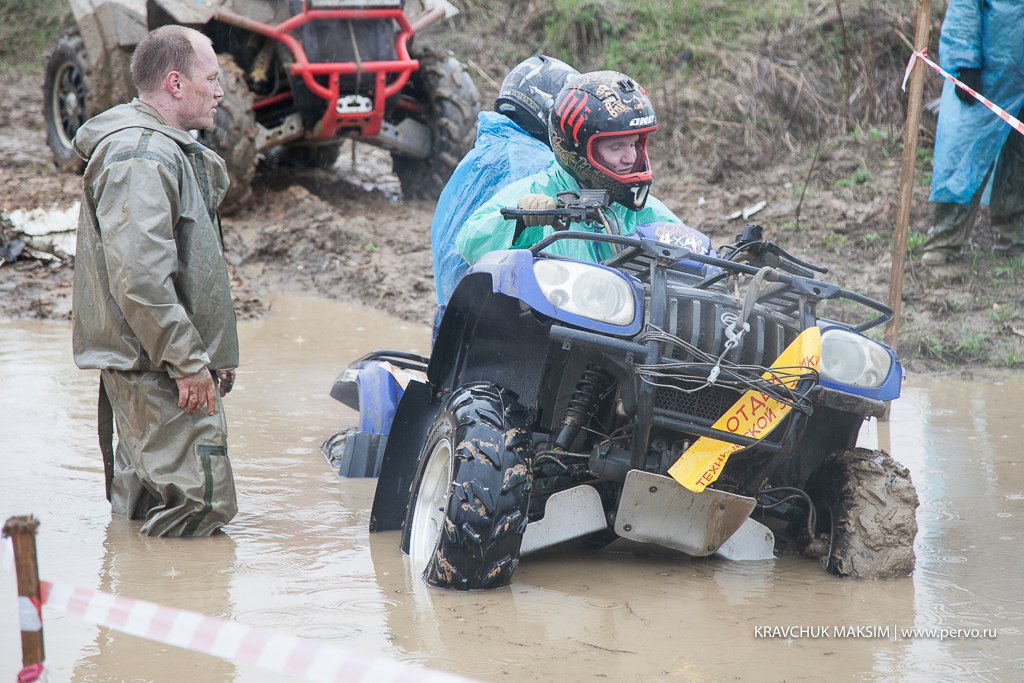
(175, 70)
(168, 48)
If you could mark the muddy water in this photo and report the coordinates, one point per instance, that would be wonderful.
(298, 558)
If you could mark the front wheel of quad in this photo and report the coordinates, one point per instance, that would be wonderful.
(450, 104)
(233, 135)
(866, 504)
(467, 516)
(71, 95)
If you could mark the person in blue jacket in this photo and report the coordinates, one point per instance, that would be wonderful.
(598, 128)
(511, 143)
(982, 44)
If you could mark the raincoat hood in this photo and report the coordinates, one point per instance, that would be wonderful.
(137, 114)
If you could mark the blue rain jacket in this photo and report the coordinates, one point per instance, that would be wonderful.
(503, 153)
(985, 34)
(486, 230)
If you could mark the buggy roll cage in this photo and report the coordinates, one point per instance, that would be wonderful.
(335, 118)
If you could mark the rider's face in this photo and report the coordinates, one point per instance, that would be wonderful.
(618, 154)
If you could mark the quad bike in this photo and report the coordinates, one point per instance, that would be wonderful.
(707, 402)
(297, 75)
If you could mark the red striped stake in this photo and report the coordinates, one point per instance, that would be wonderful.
(22, 532)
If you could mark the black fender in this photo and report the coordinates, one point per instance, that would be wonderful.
(489, 337)
(413, 417)
(483, 337)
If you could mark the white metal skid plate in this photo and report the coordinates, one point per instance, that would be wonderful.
(752, 541)
(567, 515)
(656, 509)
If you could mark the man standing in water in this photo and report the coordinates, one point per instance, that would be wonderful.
(152, 301)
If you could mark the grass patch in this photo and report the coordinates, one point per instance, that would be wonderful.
(859, 177)
(1014, 360)
(1003, 314)
(644, 37)
(949, 344)
(1007, 271)
(972, 345)
(27, 28)
(915, 242)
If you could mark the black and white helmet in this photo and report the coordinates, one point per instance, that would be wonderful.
(596, 105)
(529, 90)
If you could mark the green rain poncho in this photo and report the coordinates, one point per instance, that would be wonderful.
(487, 231)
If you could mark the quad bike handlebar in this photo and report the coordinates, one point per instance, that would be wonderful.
(589, 206)
(751, 247)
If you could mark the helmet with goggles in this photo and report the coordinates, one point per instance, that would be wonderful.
(598, 128)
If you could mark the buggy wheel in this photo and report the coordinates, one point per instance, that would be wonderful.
(233, 135)
(70, 97)
(451, 103)
(467, 516)
(869, 504)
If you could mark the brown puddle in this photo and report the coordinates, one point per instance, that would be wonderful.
(298, 558)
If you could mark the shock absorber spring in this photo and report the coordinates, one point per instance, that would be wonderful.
(594, 382)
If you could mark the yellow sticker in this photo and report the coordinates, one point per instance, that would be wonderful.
(755, 415)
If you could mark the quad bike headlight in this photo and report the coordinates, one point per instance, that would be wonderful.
(585, 290)
(849, 358)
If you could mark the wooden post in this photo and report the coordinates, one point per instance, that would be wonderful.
(906, 188)
(22, 532)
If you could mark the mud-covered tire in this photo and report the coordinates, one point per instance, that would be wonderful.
(233, 135)
(468, 510)
(72, 94)
(867, 505)
(451, 103)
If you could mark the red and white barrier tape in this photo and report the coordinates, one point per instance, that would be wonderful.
(277, 652)
(1015, 123)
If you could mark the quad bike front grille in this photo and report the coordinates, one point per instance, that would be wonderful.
(707, 405)
(701, 324)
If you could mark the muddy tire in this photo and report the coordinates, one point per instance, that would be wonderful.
(233, 135)
(451, 102)
(71, 96)
(866, 505)
(467, 515)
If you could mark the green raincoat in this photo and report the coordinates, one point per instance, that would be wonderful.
(487, 231)
(152, 303)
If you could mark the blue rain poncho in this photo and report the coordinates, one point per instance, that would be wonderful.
(985, 34)
(503, 153)
(486, 230)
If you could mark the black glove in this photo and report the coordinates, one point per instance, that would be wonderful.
(971, 78)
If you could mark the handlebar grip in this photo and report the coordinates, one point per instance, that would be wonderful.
(511, 214)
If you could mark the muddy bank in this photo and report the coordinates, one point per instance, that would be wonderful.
(348, 234)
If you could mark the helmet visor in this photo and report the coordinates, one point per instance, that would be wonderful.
(621, 155)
